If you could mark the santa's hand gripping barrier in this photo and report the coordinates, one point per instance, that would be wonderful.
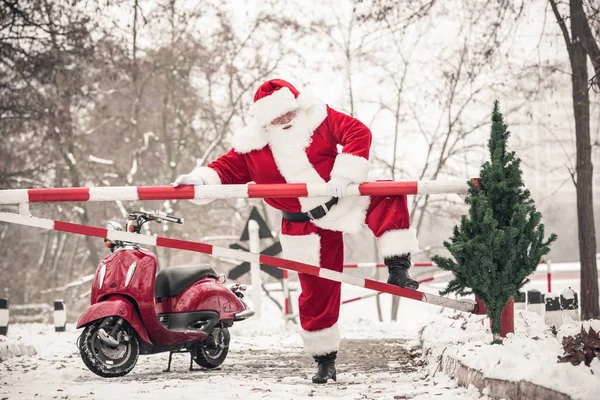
(251, 190)
(236, 255)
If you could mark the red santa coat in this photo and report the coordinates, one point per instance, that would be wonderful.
(306, 153)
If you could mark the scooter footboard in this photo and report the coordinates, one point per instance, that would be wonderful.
(119, 306)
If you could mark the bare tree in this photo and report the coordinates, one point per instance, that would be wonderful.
(580, 45)
(88, 100)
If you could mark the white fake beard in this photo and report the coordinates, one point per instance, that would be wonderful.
(295, 138)
(289, 151)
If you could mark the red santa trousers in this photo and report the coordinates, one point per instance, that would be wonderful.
(319, 302)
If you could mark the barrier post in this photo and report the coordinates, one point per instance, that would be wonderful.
(536, 302)
(253, 232)
(552, 316)
(569, 304)
(3, 316)
(520, 301)
(287, 298)
(60, 316)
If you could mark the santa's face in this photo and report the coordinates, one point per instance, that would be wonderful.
(284, 120)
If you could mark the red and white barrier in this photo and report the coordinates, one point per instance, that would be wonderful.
(236, 255)
(423, 280)
(380, 265)
(251, 190)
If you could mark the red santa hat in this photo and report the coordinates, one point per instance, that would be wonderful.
(273, 99)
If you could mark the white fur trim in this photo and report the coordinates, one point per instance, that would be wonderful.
(276, 104)
(349, 166)
(348, 215)
(324, 341)
(254, 136)
(315, 108)
(302, 248)
(396, 242)
(289, 152)
(210, 177)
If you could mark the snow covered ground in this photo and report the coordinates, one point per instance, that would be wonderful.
(377, 360)
(529, 354)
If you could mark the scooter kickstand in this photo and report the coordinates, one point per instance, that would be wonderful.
(192, 362)
(169, 366)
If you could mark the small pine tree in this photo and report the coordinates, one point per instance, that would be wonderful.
(500, 243)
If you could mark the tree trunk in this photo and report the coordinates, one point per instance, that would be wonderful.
(590, 307)
(495, 315)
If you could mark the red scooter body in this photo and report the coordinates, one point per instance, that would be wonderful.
(176, 310)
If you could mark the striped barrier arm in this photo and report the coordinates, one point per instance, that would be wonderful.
(239, 255)
(423, 280)
(381, 265)
(251, 190)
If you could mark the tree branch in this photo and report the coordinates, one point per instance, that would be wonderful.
(561, 24)
(592, 49)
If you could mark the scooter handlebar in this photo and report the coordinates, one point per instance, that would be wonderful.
(168, 217)
(172, 218)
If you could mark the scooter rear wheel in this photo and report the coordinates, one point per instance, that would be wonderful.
(102, 359)
(212, 352)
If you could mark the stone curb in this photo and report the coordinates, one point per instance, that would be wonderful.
(494, 388)
(497, 388)
(15, 350)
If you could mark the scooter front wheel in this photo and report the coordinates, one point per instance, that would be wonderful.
(212, 352)
(105, 360)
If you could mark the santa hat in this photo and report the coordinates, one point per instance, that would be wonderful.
(273, 99)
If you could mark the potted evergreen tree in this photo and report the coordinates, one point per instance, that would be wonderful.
(501, 241)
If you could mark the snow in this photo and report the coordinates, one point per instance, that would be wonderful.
(99, 160)
(528, 354)
(568, 294)
(132, 171)
(266, 361)
(377, 359)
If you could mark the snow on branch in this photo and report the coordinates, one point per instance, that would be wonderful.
(99, 160)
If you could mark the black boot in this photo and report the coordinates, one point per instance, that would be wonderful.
(398, 269)
(326, 369)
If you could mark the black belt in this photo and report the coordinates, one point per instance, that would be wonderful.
(315, 213)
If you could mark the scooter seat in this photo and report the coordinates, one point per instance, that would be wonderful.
(173, 280)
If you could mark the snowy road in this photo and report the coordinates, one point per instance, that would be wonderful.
(261, 365)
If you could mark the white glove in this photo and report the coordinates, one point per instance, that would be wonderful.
(188, 180)
(337, 186)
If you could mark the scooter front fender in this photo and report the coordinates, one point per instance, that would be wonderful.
(119, 306)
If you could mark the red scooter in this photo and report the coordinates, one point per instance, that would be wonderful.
(136, 311)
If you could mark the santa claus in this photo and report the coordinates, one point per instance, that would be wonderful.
(294, 138)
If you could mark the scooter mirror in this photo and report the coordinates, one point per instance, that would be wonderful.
(114, 226)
